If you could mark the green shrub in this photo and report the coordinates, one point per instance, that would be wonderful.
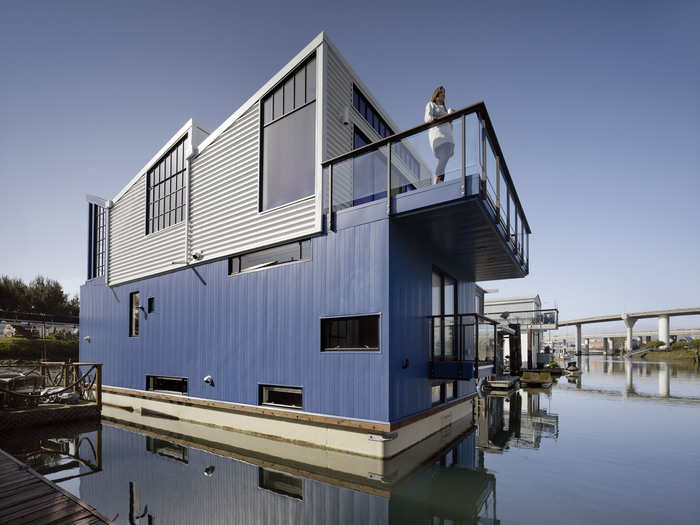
(33, 349)
(652, 344)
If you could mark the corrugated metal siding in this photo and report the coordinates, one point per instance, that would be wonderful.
(176, 492)
(224, 216)
(132, 254)
(256, 327)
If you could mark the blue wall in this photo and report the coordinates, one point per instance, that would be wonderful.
(259, 327)
(263, 327)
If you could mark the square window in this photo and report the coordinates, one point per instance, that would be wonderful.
(350, 334)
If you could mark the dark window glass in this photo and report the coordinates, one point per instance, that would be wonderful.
(289, 153)
(370, 114)
(177, 385)
(311, 80)
(300, 88)
(98, 231)
(289, 140)
(289, 95)
(350, 333)
(278, 102)
(164, 181)
(134, 314)
(295, 251)
(280, 483)
(282, 396)
(151, 305)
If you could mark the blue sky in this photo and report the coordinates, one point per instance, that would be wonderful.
(595, 107)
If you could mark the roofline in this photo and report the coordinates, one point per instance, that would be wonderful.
(520, 298)
(190, 124)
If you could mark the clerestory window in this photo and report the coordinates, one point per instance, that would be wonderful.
(97, 236)
(289, 138)
(165, 189)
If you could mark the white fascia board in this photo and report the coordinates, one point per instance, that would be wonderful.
(94, 199)
(291, 65)
(189, 125)
(365, 90)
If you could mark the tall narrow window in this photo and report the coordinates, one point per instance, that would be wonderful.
(134, 314)
(97, 236)
(165, 189)
(289, 138)
(444, 304)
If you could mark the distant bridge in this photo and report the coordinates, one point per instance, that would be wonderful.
(630, 320)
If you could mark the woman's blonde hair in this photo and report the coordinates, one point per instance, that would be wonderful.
(436, 93)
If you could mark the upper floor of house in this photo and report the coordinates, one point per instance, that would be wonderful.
(310, 151)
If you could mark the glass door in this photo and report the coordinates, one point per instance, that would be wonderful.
(444, 303)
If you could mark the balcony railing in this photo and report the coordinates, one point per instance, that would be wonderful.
(536, 319)
(459, 344)
(404, 163)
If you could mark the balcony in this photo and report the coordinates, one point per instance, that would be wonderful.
(473, 216)
(462, 346)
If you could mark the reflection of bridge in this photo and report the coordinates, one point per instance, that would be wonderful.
(630, 320)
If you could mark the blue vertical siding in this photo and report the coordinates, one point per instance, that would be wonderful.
(259, 327)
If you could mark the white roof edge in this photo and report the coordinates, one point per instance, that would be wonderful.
(191, 123)
(298, 58)
(94, 199)
(520, 298)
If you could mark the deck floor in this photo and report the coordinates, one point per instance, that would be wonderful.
(28, 497)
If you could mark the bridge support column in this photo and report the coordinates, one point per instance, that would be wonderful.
(629, 384)
(578, 339)
(605, 346)
(664, 330)
(629, 323)
(664, 380)
(587, 345)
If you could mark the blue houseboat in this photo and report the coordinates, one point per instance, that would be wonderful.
(301, 272)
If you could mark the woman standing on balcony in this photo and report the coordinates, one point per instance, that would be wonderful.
(440, 137)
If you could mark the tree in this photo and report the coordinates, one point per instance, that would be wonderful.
(42, 295)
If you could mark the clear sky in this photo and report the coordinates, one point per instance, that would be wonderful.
(595, 106)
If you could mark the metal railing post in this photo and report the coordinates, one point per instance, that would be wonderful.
(527, 259)
(498, 189)
(98, 395)
(476, 346)
(507, 213)
(330, 197)
(388, 178)
(464, 155)
(483, 154)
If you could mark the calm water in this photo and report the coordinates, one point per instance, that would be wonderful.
(619, 445)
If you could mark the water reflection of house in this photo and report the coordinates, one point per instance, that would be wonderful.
(516, 420)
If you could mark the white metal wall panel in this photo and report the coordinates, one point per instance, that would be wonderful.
(224, 217)
(132, 254)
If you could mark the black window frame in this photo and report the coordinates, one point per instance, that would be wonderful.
(269, 479)
(152, 380)
(339, 349)
(166, 189)
(443, 275)
(266, 388)
(134, 313)
(278, 92)
(443, 392)
(303, 249)
(97, 235)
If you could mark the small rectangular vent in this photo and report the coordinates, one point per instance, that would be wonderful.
(281, 396)
(172, 385)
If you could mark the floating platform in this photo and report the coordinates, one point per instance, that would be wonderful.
(536, 377)
(503, 383)
(28, 497)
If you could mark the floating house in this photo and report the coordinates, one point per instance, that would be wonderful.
(297, 272)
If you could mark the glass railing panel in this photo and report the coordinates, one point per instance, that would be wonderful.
(503, 197)
(436, 327)
(511, 215)
(359, 179)
(467, 337)
(426, 158)
(450, 338)
(491, 174)
(487, 342)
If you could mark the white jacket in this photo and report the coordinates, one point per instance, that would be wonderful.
(442, 134)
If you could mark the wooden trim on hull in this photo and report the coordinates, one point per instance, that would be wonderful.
(302, 417)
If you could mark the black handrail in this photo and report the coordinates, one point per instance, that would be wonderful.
(480, 109)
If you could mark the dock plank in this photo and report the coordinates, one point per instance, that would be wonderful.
(28, 497)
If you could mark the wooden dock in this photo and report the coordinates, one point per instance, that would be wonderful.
(28, 497)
